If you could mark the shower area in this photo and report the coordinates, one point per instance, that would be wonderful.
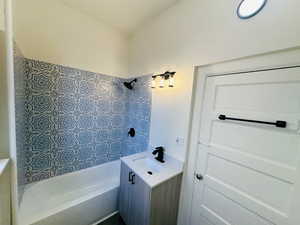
(72, 127)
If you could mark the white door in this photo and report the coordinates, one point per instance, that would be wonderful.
(249, 169)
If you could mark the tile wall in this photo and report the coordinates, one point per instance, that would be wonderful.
(69, 119)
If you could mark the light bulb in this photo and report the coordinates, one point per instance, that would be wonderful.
(162, 82)
(171, 81)
(153, 83)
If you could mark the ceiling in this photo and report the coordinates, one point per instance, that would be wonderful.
(126, 15)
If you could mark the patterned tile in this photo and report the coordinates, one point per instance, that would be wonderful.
(85, 152)
(66, 122)
(41, 162)
(41, 83)
(41, 103)
(21, 74)
(86, 105)
(102, 149)
(85, 137)
(65, 169)
(66, 104)
(41, 143)
(65, 157)
(86, 121)
(66, 139)
(66, 86)
(69, 119)
(41, 123)
(102, 136)
(104, 105)
(86, 88)
(115, 148)
(118, 121)
(103, 121)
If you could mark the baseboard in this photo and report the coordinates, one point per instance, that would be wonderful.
(105, 218)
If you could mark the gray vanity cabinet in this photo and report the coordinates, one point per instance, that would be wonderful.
(125, 194)
(139, 204)
(134, 198)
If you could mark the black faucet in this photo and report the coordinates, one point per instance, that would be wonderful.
(160, 152)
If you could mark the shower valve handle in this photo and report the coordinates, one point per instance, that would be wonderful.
(199, 176)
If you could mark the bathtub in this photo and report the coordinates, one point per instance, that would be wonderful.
(79, 198)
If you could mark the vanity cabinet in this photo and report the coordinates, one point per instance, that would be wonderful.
(139, 204)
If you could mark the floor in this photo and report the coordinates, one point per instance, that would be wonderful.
(114, 220)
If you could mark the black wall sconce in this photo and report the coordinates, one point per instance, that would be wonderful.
(167, 77)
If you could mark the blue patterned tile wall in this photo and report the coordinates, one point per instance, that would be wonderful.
(76, 119)
(139, 115)
(20, 70)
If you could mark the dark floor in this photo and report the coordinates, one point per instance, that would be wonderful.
(114, 220)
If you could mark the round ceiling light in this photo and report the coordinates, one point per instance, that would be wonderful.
(249, 8)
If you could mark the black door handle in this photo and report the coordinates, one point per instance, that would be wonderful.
(130, 176)
(133, 180)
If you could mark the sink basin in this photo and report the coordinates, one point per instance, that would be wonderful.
(148, 164)
(152, 171)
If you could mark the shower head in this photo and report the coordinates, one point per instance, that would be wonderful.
(129, 84)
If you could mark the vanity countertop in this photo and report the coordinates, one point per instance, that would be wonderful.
(142, 163)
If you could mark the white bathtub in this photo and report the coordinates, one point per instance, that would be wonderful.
(79, 198)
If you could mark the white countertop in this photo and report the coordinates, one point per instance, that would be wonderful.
(3, 165)
(171, 168)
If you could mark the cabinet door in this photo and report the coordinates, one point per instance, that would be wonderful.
(140, 202)
(125, 194)
(134, 198)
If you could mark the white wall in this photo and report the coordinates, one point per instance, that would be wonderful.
(197, 32)
(52, 32)
(2, 15)
(10, 109)
(4, 145)
(3, 91)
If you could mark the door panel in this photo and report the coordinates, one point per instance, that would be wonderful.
(247, 138)
(249, 169)
(251, 182)
(266, 166)
(273, 97)
(217, 205)
(246, 201)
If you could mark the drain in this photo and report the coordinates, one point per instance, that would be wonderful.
(149, 172)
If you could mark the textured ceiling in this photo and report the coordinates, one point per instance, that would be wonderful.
(126, 15)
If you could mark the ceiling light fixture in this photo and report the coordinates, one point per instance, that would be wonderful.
(249, 8)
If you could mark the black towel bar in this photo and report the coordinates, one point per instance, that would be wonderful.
(278, 123)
